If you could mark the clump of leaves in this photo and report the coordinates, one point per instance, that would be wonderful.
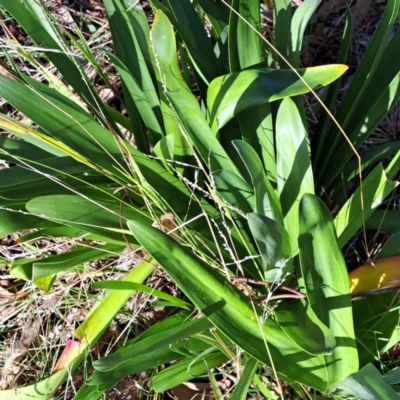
(221, 188)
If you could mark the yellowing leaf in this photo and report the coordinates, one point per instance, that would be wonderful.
(376, 275)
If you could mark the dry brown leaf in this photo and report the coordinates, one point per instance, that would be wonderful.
(193, 390)
(360, 11)
(332, 7)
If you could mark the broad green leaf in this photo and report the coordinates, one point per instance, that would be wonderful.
(384, 102)
(300, 323)
(154, 358)
(293, 166)
(375, 188)
(163, 325)
(368, 384)
(120, 285)
(394, 166)
(246, 50)
(221, 49)
(393, 376)
(327, 285)
(77, 130)
(54, 166)
(267, 202)
(229, 95)
(109, 378)
(263, 389)
(370, 61)
(237, 196)
(164, 151)
(74, 129)
(235, 191)
(15, 220)
(230, 310)
(273, 243)
(242, 386)
(257, 130)
(87, 392)
(40, 140)
(140, 25)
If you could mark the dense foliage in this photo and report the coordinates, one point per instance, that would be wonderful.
(221, 187)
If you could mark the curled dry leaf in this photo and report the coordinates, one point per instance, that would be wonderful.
(168, 223)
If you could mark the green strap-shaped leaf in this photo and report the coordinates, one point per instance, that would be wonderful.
(34, 19)
(300, 19)
(120, 285)
(235, 191)
(186, 370)
(192, 32)
(152, 343)
(375, 188)
(167, 67)
(20, 149)
(242, 386)
(267, 202)
(273, 242)
(245, 46)
(229, 95)
(230, 310)
(199, 132)
(293, 169)
(99, 217)
(30, 269)
(218, 14)
(372, 93)
(368, 384)
(138, 96)
(282, 13)
(299, 321)
(327, 285)
(148, 360)
(129, 52)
